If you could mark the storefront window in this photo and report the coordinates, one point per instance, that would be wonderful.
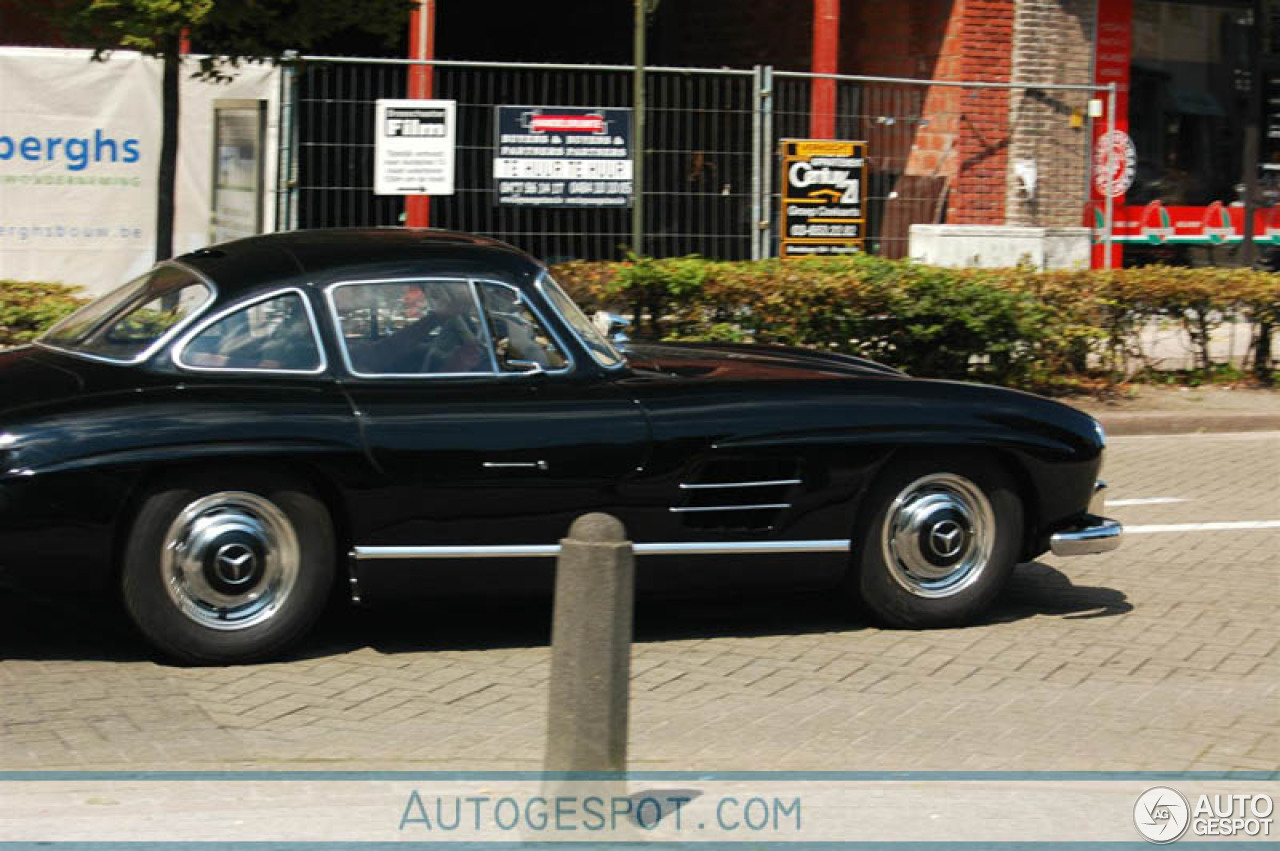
(1189, 91)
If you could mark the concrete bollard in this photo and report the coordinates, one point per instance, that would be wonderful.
(591, 648)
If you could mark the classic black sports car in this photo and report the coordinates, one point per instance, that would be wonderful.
(414, 410)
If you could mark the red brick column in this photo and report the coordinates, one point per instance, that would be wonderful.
(982, 145)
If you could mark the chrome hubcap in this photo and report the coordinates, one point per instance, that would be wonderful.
(230, 560)
(938, 535)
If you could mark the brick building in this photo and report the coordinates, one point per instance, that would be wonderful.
(1198, 131)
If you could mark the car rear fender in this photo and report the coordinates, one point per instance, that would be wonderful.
(160, 476)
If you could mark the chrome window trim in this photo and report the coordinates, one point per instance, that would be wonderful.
(643, 549)
(471, 282)
(181, 345)
(489, 345)
(533, 308)
(543, 277)
(161, 341)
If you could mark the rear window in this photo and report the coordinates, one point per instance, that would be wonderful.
(126, 322)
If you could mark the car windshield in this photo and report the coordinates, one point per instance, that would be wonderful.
(597, 344)
(123, 324)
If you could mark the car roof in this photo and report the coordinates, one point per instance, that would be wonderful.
(335, 254)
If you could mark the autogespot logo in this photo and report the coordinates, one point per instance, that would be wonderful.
(1161, 814)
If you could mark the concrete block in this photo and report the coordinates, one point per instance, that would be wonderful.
(993, 246)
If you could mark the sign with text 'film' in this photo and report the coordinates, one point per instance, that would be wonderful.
(562, 156)
(823, 197)
(414, 143)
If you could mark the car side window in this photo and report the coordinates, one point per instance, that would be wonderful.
(275, 334)
(411, 328)
(519, 337)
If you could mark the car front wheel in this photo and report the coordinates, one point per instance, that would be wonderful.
(939, 542)
(228, 568)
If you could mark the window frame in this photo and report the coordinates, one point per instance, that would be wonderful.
(473, 286)
(217, 317)
(545, 276)
(160, 342)
(523, 299)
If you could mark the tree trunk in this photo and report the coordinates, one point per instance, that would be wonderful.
(168, 170)
(1262, 352)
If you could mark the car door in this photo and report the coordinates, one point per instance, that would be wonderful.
(488, 436)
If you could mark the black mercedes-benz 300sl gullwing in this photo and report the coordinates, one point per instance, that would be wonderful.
(240, 432)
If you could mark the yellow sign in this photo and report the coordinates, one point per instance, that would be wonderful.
(824, 191)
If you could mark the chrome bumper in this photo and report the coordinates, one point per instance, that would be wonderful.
(1097, 535)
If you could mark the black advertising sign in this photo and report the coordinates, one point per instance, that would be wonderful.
(823, 197)
(562, 156)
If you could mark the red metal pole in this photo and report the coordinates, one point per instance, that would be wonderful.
(422, 45)
(826, 57)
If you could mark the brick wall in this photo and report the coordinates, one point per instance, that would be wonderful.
(898, 38)
(934, 152)
(1052, 41)
(892, 38)
(970, 137)
(985, 42)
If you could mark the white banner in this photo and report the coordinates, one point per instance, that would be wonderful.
(79, 148)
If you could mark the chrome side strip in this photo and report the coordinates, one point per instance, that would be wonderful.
(767, 484)
(515, 465)
(684, 509)
(742, 548)
(655, 549)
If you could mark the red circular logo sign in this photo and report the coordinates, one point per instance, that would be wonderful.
(1115, 161)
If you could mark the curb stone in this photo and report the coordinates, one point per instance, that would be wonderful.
(1178, 422)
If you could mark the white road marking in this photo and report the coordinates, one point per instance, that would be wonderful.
(1231, 526)
(1151, 500)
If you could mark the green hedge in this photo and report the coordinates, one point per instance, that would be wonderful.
(1019, 326)
(27, 308)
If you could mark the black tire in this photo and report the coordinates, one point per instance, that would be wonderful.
(904, 570)
(195, 601)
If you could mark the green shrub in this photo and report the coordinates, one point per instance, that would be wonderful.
(1017, 326)
(28, 307)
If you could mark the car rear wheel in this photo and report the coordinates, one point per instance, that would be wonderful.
(228, 567)
(939, 541)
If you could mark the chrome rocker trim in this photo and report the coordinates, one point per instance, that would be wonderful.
(1098, 535)
(654, 549)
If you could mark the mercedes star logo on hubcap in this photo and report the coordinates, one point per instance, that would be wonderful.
(234, 563)
(946, 538)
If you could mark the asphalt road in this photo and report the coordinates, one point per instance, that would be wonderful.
(1160, 656)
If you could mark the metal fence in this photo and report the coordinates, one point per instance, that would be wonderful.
(711, 151)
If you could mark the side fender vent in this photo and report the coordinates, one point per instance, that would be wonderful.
(738, 493)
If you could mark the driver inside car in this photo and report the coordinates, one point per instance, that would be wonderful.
(444, 340)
